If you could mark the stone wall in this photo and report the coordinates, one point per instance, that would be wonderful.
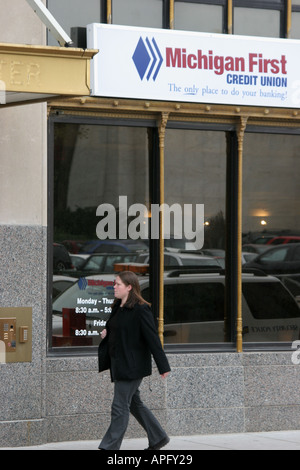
(204, 394)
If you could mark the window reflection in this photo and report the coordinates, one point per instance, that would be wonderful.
(195, 162)
(272, 162)
(93, 165)
(198, 17)
(295, 30)
(73, 14)
(147, 13)
(257, 22)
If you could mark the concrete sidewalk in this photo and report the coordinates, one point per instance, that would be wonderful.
(281, 440)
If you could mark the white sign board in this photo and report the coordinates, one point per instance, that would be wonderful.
(157, 64)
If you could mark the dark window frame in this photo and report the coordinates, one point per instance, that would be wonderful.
(154, 244)
(256, 129)
(154, 194)
(231, 223)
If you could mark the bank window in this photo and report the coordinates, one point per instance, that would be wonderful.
(259, 18)
(200, 16)
(100, 171)
(272, 161)
(195, 309)
(72, 14)
(295, 30)
(147, 13)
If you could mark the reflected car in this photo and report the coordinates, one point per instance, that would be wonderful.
(113, 246)
(193, 309)
(219, 255)
(104, 263)
(263, 239)
(78, 260)
(81, 312)
(73, 246)
(247, 257)
(60, 284)
(258, 249)
(61, 258)
(173, 260)
(284, 240)
(284, 259)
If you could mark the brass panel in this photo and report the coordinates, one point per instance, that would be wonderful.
(45, 70)
(141, 109)
(16, 350)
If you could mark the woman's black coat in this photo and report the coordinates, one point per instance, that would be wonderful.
(136, 340)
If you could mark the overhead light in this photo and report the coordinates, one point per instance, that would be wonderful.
(262, 213)
(48, 19)
(263, 222)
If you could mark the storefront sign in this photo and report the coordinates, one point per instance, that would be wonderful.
(157, 64)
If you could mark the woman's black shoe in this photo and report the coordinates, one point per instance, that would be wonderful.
(160, 444)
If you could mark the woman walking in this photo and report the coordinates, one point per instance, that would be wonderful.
(129, 340)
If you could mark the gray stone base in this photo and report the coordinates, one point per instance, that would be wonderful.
(204, 394)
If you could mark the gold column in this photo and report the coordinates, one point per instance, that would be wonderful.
(172, 14)
(162, 133)
(109, 12)
(240, 135)
(229, 16)
(289, 18)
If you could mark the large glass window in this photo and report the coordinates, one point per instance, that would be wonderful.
(199, 16)
(195, 162)
(97, 164)
(259, 18)
(147, 13)
(271, 229)
(295, 30)
(103, 166)
(74, 13)
(94, 166)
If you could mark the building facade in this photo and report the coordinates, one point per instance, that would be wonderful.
(231, 334)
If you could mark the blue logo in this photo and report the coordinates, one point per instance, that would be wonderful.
(82, 283)
(144, 54)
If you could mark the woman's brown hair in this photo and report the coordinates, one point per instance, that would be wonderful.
(135, 297)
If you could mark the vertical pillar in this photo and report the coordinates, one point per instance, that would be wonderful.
(240, 136)
(229, 17)
(162, 133)
(288, 18)
(109, 12)
(172, 14)
(231, 237)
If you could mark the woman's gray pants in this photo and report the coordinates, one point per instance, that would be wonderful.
(127, 400)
